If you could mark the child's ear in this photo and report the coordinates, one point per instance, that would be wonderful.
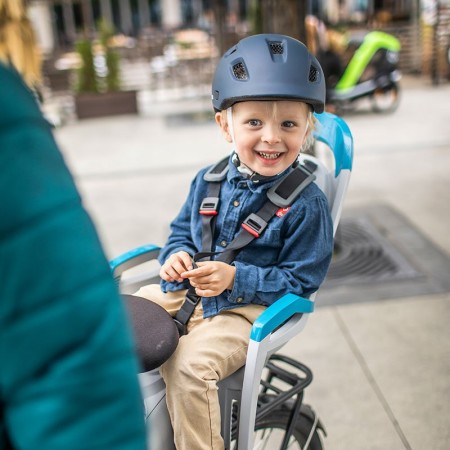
(221, 120)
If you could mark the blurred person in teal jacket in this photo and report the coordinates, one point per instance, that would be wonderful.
(68, 372)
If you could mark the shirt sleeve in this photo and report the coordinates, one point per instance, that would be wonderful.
(302, 264)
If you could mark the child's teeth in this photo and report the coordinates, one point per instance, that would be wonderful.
(269, 155)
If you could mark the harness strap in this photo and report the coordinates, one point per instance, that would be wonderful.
(185, 312)
(281, 195)
(251, 228)
(210, 205)
(290, 187)
(191, 300)
(208, 210)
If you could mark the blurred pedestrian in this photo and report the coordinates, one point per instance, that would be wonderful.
(68, 371)
(319, 41)
(17, 42)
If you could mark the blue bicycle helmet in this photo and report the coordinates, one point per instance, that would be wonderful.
(268, 67)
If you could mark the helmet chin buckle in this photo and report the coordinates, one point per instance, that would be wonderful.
(241, 168)
(251, 174)
(245, 170)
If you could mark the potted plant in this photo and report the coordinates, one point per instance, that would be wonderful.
(98, 87)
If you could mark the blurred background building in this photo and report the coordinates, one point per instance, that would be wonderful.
(160, 41)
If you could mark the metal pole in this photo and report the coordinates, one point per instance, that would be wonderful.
(144, 14)
(125, 17)
(69, 21)
(88, 18)
(106, 11)
(416, 34)
(435, 57)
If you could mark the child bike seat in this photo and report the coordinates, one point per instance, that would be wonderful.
(155, 333)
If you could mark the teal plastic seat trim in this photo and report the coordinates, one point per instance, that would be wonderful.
(334, 132)
(276, 314)
(127, 256)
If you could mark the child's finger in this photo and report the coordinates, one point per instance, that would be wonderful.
(204, 292)
(173, 269)
(186, 261)
(195, 273)
(189, 274)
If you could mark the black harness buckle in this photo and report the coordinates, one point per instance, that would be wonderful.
(254, 224)
(181, 327)
(185, 312)
(209, 206)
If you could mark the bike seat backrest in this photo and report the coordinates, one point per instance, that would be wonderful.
(335, 134)
(324, 179)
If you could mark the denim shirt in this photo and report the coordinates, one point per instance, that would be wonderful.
(291, 255)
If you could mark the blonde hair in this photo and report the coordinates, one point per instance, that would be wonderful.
(309, 141)
(18, 45)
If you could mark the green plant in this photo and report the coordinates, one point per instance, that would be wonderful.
(105, 77)
(86, 75)
(112, 57)
(256, 16)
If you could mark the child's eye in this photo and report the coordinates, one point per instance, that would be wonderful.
(288, 124)
(254, 122)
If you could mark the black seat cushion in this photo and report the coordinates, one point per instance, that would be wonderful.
(155, 332)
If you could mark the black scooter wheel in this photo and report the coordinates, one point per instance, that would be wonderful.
(386, 99)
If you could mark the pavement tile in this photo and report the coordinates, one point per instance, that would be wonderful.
(340, 392)
(401, 343)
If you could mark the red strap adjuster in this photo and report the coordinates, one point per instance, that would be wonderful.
(209, 206)
(254, 224)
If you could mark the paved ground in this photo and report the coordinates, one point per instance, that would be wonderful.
(382, 369)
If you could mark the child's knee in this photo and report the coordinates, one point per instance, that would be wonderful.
(184, 367)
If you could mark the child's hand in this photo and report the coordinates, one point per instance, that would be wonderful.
(211, 278)
(174, 266)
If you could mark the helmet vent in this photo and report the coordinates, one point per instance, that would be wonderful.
(240, 71)
(313, 74)
(276, 47)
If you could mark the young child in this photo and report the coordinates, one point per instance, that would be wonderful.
(264, 91)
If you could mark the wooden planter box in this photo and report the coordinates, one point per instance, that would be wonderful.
(91, 105)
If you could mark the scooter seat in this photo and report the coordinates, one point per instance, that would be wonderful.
(155, 332)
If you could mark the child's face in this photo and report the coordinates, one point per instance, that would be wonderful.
(268, 134)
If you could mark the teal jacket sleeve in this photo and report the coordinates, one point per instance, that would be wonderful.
(67, 366)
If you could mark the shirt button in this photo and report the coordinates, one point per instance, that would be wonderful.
(223, 243)
(236, 203)
(239, 300)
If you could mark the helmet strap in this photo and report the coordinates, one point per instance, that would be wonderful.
(230, 122)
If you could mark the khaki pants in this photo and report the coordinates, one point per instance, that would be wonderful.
(212, 349)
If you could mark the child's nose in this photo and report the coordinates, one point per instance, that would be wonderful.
(271, 134)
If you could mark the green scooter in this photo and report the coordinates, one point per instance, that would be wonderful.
(372, 73)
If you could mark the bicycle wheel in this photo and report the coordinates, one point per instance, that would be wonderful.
(269, 433)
